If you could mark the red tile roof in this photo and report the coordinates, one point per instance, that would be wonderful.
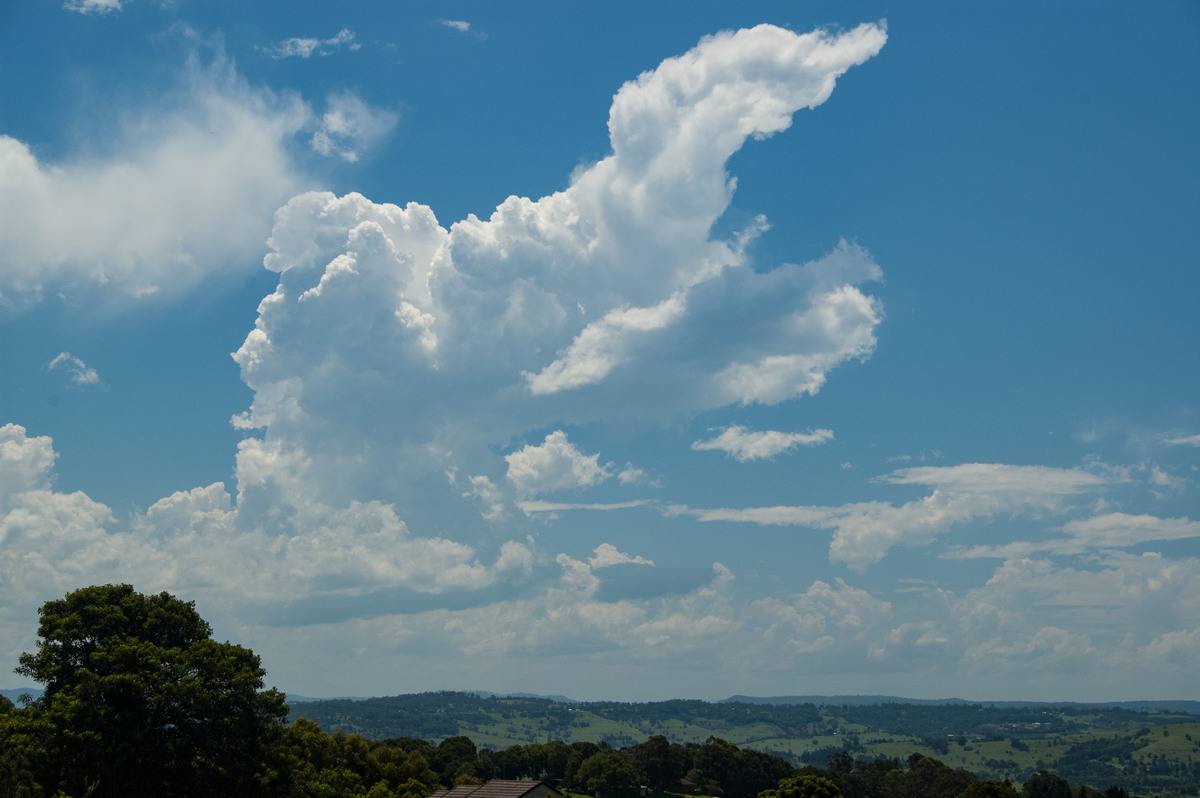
(497, 788)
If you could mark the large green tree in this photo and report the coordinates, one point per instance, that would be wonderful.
(804, 786)
(140, 700)
(608, 774)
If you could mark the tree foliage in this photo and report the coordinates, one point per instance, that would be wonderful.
(806, 786)
(139, 700)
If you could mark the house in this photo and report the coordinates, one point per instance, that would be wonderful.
(501, 788)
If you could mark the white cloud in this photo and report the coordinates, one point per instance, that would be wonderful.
(603, 346)
(94, 6)
(554, 465)
(824, 618)
(396, 351)
(537, 506)
(474, 334)
(1183, 440)
(349, 126)
(185, 193)
(866, 531)
(201, 544)
(1134, 609)
(1109, 531)
(1000, 479)
(606, 554)
(79, 371)
(305, 47)
(25, 462)
(462, 26)
(746, 444)
(267, 571)
(632, 475)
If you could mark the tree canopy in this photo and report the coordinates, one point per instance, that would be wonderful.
(140, 700)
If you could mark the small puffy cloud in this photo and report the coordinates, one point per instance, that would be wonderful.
(606, 554)
(1183, 440)
(554, 465)
(464, 27)
(350, 126)
(78, 371)
(305, 47)
(632, 475)
(746, 444)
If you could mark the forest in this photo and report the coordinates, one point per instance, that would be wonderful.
(139, 700)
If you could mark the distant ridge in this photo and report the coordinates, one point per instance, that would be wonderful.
(13, 695)
(304, 699)
(561, 699)
(1189, 707)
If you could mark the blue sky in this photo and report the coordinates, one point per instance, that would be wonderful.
(614, 351)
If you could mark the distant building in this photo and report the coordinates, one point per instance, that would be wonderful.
(501, 788)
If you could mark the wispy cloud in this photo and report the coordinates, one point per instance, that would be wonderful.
(349, 127)
(77, 370)
(94, 6)
(198, 176)
(538, 506)
(1109, 531)
(746, 444)
(865, 531)
(306, 47)
(1184, 440)
(200, 173)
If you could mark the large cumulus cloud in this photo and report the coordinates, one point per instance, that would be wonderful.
(396, 350)
(413, 381)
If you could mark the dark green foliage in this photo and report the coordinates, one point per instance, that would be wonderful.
(1044, 784)
(139, 700)
(607, 774)
(806, 786)
(315, 764)
(991, 789)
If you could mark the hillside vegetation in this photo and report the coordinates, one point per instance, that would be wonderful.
(1099, 745)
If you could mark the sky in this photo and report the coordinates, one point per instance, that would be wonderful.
(613, 350)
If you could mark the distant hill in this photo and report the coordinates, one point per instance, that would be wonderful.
(13, 695)
(1143, 746)
(1188, 707)
(788, 723)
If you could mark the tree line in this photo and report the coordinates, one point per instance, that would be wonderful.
(139, 700)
